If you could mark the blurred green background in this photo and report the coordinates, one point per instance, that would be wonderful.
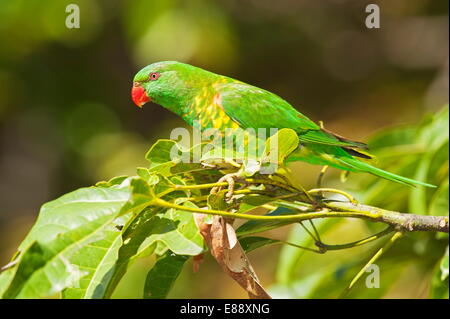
(67, 120)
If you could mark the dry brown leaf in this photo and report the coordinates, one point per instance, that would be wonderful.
(226, 249)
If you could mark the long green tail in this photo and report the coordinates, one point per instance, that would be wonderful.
(362, 166)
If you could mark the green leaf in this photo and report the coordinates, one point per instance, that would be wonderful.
(70, 235)
(330, 278)
(161, 183)
(177, 230)
(418, 195)
(250, 202)
(72, 210)
(438, 172)
(162, 276)
(439, 202)
(97, 260)
(432, 136)
(440, 279)
(256, 226)
(46, 268)
(435, 133)
(444, 266)
(133, 234)
(163, 151)
(391, 138)
(290, 256)
(6, 276)
(415, 151)
(161, 169)
(298, 289)
(156, 230)
(113, 181)
(141, 195)
(217, 201)
(254, 242)
(283, 143)
(168, 158)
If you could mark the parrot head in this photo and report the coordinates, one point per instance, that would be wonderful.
(169, 83)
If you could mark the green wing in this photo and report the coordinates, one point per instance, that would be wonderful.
(252, 107)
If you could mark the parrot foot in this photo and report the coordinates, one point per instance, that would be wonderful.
(230, 179)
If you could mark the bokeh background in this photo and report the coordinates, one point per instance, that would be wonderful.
(67, 120)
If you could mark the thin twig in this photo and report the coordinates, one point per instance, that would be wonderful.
(360, 242)
(375, 257)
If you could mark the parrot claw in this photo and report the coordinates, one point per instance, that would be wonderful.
(231, 181)
(207, 165)
(9, 265)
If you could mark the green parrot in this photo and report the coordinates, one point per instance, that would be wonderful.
(220, 102)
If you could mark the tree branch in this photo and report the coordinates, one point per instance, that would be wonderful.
(400, 221)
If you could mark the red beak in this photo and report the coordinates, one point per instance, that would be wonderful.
(139, 95)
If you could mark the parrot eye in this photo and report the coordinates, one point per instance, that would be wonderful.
(154, 76)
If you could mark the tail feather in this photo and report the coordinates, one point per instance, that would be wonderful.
(362, 166)
(358, 153)
(351, 143)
